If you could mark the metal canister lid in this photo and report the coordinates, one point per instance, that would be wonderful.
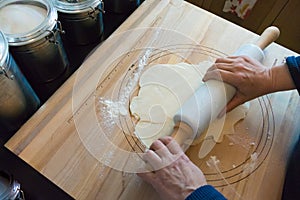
(75, 6)
(3, 50)
(9, 188)
(39, 31)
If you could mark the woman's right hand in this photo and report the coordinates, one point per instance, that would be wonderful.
(250, 78)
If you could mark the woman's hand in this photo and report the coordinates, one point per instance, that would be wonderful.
(175, 176)
(250, 78)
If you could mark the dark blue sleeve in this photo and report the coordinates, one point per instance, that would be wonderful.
(293, 64)
(206, 192)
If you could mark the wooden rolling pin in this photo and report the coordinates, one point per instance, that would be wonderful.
(203, 107)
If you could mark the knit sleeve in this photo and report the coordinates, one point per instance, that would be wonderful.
(206, 192)
(293, 64)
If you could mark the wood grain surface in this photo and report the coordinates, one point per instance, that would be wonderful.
(80, 139)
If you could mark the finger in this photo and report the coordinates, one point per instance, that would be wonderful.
(243, 58)
(218, 66)
(235, 102)
(223, 66)
(211, 75)
(222, 113)
(152, 159)
(160, 149)
(225, 60)
(171, 144)
(237, 99)
(220, 75)
(211, 68)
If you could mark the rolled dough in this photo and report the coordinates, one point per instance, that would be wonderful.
(163, 90)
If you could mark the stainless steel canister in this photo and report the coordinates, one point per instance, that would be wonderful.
(121, 6)
(38, 50)
(82, 20)
(18, 101)
(10, 189)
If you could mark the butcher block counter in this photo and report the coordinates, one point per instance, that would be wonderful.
(82, 137)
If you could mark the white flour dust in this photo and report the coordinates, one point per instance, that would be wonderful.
(242, 140)
(250, 167)
(110, 110)
(213, 161)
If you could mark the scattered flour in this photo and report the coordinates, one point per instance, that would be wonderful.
(110, 110)
(250, 167)
(213, 161)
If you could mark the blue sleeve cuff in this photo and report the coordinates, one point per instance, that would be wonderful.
(206, 192)
(293, 64)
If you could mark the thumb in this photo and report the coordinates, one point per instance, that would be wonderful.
(235, 102)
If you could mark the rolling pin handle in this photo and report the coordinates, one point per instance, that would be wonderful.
(183, 134)
(269, 35)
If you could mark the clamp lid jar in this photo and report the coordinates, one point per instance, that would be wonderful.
(81, 19)
(26, 21)
(18, 101)
(76, 6)
(3, 50)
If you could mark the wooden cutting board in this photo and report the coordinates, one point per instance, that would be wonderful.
(83, 142)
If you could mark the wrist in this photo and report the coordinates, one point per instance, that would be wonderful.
(189, 190)
(281, 78)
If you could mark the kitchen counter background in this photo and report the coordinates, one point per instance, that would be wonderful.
(35, 185)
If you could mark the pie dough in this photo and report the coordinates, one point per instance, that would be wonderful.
(163, 90)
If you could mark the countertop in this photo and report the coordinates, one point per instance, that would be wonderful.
(89, 150)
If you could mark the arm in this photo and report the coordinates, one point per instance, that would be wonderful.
(293, 64)
(206, 192)
(250, 78)
(175, 176)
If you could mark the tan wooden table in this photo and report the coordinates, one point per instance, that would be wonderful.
(75, 143)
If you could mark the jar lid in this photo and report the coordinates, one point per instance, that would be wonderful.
(10, 188)
(25, 21)
(75, 6)
(3, 49)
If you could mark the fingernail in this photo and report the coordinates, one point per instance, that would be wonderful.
(221, 114)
